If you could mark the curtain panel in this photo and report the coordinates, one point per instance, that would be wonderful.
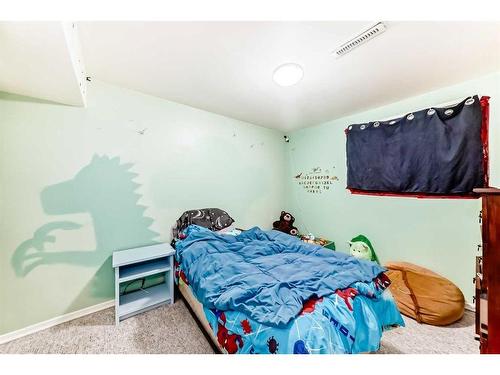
(435, 152)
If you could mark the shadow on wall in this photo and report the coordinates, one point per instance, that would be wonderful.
(104, 189)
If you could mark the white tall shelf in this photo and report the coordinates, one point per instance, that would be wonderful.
(137, 263)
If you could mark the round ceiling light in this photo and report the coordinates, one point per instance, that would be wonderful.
(288, 74)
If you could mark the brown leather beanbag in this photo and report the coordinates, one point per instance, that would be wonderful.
(424, 295)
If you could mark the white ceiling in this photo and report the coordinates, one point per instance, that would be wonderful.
(42, 60)
(227, 67)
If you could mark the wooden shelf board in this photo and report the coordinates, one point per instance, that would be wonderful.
(489, 190)
(143, 269)
(143, 299)
(139, 254)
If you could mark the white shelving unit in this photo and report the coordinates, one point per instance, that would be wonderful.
(137, 263)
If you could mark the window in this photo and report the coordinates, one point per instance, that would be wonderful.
(432, 152)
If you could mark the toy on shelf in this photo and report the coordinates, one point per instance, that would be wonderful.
(361, 247)
(310, 238)
(285, 224)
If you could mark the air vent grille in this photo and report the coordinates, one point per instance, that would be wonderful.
(360, 39)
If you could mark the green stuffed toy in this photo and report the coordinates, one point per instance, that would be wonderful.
(361, 247)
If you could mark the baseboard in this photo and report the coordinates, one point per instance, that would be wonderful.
(470, 307)
(55, 321)
(78, 314)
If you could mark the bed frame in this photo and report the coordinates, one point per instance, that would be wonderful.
(196, 310)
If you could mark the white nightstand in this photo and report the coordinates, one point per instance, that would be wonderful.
(133, 264)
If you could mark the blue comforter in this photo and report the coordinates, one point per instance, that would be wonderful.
(266, 275)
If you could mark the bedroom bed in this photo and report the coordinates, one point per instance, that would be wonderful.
(269, 292)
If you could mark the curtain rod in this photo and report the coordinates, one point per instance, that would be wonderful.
(445, 104)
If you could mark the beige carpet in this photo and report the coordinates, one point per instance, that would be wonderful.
(156, 331)
(457, 338)
(159, 330)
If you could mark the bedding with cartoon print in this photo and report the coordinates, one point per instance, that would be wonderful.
(268, 292)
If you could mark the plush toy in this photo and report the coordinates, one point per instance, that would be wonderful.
(361, 247)
(285, 224)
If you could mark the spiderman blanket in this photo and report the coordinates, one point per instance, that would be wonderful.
(262, 290)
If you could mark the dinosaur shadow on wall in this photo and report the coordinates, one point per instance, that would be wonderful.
(105, 189)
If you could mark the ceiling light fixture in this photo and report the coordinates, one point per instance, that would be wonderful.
(288, 74)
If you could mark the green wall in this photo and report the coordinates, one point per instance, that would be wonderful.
(441, 234)
(78, 183)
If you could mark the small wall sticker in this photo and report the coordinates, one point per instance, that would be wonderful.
(317, 180)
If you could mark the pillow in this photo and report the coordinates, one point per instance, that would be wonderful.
(214, 219)
(230, 231)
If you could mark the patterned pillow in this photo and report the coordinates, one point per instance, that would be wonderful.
(212, 218)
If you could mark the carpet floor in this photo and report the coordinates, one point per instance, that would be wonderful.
(159, 330)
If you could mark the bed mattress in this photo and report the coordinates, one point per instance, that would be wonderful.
(336, 324)
(269, 292)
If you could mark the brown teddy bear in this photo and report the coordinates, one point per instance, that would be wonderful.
(285, 224)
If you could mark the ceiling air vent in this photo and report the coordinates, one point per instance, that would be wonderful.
(360, 39)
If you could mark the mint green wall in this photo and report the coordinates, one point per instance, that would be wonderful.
(58, 226)
(77, 183)
(439, 234)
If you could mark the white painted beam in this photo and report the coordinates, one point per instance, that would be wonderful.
(75, 53)
(42, 60)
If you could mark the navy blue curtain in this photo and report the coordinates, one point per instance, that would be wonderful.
(437, 151)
